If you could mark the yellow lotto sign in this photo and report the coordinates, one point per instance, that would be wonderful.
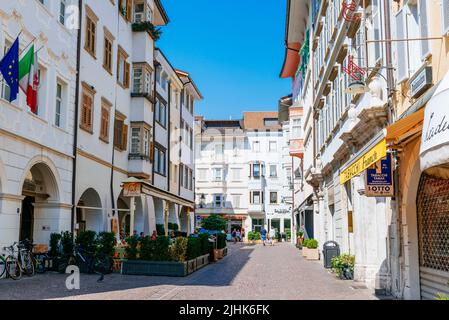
(377, 153)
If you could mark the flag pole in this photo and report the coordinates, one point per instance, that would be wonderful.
(40, 49)
(28, 45)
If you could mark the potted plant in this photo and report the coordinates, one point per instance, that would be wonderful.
(343, 266)
(299, 239)
(251, 239)
(312, 250)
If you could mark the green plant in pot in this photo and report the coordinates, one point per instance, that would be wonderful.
(54, 245)
(67, 243)
(343, 266)
(87, 240)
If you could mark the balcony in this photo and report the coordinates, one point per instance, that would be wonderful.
(297, 148)
(256, 208)
(146, 26)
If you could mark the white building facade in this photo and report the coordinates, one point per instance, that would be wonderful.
(243, 169)
(132, 106)
(36, 149)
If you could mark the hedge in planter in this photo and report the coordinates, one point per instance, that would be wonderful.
(204, 239)
(194, 248)
(178, 249)
(221, 241)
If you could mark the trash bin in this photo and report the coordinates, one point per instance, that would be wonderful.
(330, 249)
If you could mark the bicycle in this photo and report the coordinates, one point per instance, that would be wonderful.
(87, 261)
(12, 264)
(25, 257)
(2, 265)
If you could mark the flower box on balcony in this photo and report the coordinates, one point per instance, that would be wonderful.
(147, 26)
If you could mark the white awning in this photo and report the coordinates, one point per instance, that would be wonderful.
(435, 134)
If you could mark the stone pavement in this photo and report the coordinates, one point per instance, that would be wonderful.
(248, 272)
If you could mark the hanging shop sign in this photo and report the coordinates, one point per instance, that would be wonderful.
(379, 179)
(375, 154)
(421, 82)
(282, 211)
(435, 134)
(132, 189)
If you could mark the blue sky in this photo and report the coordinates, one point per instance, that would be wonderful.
(233, 49)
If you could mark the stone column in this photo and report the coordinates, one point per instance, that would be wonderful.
(188, 222)
(166, 213)
(50, 217)
(10, 210)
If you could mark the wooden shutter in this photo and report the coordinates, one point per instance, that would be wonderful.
(151, 151)
(124, 143)
(401, 46)
(445, 16)
(127, 74)
(129, 10)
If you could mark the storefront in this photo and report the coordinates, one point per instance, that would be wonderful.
(421, 139)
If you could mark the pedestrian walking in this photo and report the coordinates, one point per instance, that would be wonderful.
(234, 236)
(263, 235)
(238, 235)
(272, 236)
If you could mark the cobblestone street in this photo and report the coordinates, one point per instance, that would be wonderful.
(248, 272)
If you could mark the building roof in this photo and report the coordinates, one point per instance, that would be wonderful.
(257, 120)
(295, 27)
(190, 80)
(162, 12)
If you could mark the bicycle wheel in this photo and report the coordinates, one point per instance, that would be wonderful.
(13, 268)
(28, 265)
(103, 264)
(2, 266)
(40, 264)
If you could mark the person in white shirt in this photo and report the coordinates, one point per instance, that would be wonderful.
(272, 236)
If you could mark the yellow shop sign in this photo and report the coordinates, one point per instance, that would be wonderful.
(377, 153)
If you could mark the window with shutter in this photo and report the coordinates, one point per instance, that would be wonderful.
(104, 128)
(125, 138)
(424, 28)
(401, 46)
(87, 108)
(445, 16)
(129, 10)
(120, 132)
(127, 74)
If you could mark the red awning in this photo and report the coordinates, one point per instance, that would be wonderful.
(291, 60)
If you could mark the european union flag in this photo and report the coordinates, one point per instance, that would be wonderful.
(9, 67)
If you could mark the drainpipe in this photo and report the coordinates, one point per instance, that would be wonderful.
(168, 134)
(154, 119)
(75, 133)
(397, 196)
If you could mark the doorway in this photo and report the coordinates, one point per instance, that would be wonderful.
(27, 218)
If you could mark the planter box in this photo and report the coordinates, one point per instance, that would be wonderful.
(191, 266)
(155, 268)
(202, 261)
(218, 253)
(304, 251)
(313, 254)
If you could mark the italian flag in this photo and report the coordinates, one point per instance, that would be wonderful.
(29, 77)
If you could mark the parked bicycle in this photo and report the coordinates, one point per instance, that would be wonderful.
(12, 264)
(87, 261)
(26, 258)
